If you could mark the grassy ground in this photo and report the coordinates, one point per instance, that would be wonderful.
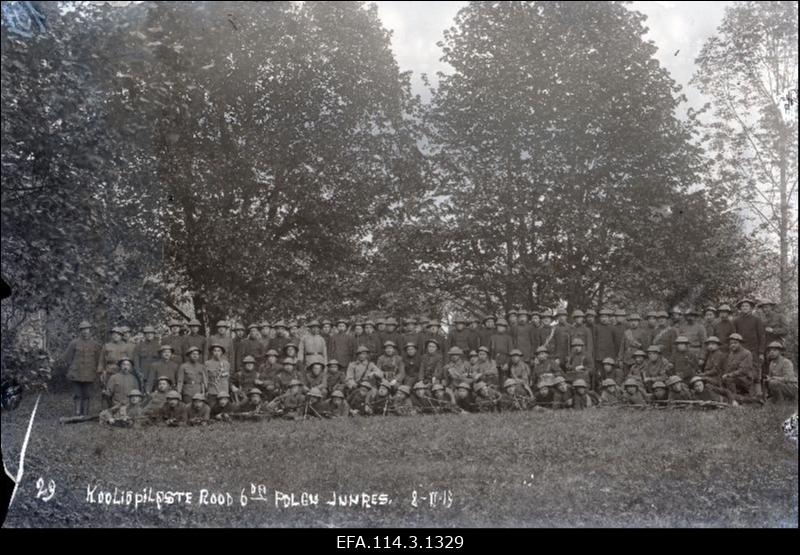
(594, 468)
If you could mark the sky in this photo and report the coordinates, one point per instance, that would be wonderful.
(675, 27)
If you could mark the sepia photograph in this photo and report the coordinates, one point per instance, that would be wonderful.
(427, 267)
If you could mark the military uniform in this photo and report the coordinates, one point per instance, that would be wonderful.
(173, 416)
(561, 344)
(145, 355)
(359, 371)
(288, 405)
(696, 334)
(606, 343)
(500, 347)
(664, 338)
(714, 367)
(782, 380)
(412, 368)
(542, 368)
(461, 339)
(250, 347)
(754, 336)
(584, 333)
(454, 373)
(654, 371)
(520, 372)
(191, 379)
(526, 339)
(581, 401)
(161, 367)
(740, 372)
(579, 366)
(360, 399)
(634, 339)
(218, 374)
(82, 358)
(685, 364)
(119, 386)
(486, 399)
(487, 369)
(342, 348)
(723, 329)
(193, 340)
(223, 340)
(392, 367)
(111, 354)
(372, 341)
(197, 416)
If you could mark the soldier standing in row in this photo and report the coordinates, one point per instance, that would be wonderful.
(581, 331)
(192, 376)
(223, 339)
(695, 333)
(83, 359)
(525, 336)
(605, 343)
(342, 344)
(218, 374)
(709, 320)
(724, 327)
(739, 371)
(166, 365)
(174, 338)
(110, 355)
(194, 339)
(685, 363)
(145, 355)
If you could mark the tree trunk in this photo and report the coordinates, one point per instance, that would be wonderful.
(784, 222)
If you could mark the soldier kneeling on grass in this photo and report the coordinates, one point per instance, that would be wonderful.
(581, 397)
(781, 379)
(290, 404)
(660, 394)
(337, 405)
(514, 397)
(562, 392)
(702, 393)
(611, 395)
(198, 412)
(678, 390)
(360, 399)
(486, 398)
(633, 394)
(130, 415)
(173, 413)
(223, 409)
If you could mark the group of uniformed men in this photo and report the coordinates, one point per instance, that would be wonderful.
(526, 360)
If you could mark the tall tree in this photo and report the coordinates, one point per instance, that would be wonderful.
(749, 70)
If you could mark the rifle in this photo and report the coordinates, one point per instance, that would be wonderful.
(77, 419)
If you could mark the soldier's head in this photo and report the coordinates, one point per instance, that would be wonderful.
(391, 325)
(510, 386)
(333, 366)
(561, 316)
(403, 392)
(661, 319)
(462, 391)
(265, 329)
(745, 306)
(580, 387)
(288, 365)
(577, 345)
(249, 363)
(691, 315)
(712, 344)
(433, 327)
(724, 312)
(578, 317)
(651, 319)
(483, 353)
(697, 384)
(272, 356)
(774, 350)
(313, 328)
(369, 327)
(513, 318)
(173, 398)
(536, 320)
(326, 328)
(125, 365)
(116, 335)
(544, 388)
(610, 386)
(502, 326)
(408, 325)
(542, 353)
(735, 342)
(675, 384)
(85, 330)
(282, 330)
(460, 323)
(420, 389)
(482, 389)
(473, 357)
(293, 328)
(516, 356)
(363, 353)
(223, 399)
(135, 397)
(252, 332)
(316, 369)
(222, 327)
(254, 396)
(561, 384)
(358, 329)
(488, 322)
(149, 333)
(295, 386)
(767, 307)
(174, 327)
(217, 351)
(126, 333)
(522, 317)
(547, 319)
(388, 348)
(341, 327)
(604, 317)
(710, 314)
(677, 315)
(164, 384)
(608, 365)
(455, 354)
(474, 323)
(411, 350)
(620, 317)
(431, 347)
(659, 391)
(291, 350)
(380, 324)
(383, 389)
(364, 387)
(198, 400)
(682, 344)
(653, 353)
(634, 320)
(337, 398)
(438, 391)
(314, 394)
(631, 388)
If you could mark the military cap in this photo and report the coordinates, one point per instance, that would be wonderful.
(513, 311)
(662, 314)
(116, 329)
(223, 324)
(458, 319)
(639, 353)
(483, 348)
(290, 344)
(659, 385)
(579, 383)
(692, 312)
(578, 313)
(327, 321)
(437, 387)
(164, 378)
(545, 381)
(124, 329)
(333, 362)
(391, 321)
(432, 323)
(541, 349)
(338, 394)
(135, 393)
(362, 349)
(558, 379)
(341, 321)
(313, 324)
(254, 391)
(84, 325)
(489, 317)
(767, 303)
(148, 329)
(608, 382)
(510, 382)
(477, 386)
(213, 345)
(315, 359)
(515, 352)
(620, 312)
(268, 385)
(293, 324)
(123, 358)
(695, 379)
(295, 382)
(463, 385)
(165, 347)
(536, 312)
(630, 382)
(250, 327)
(271, 352)
(288, 360)
(265, 324)
(672, 380)
(654, 349)
(247, 359)
(314, 392)
(675, 310)
(389, 344)
(474, 319)
(776, 345)
(369, 323)
(172, 394)
(502, 322)
(280, 324)
(420, 385)
(561, 312)
(405, 389)
(173, 323)
(682, 339)
(735, 336)
(410, 320)
(223, 395)
(434, 341)
(651, 314)
(577, 341)
(194, 322)
(608, 360)
(745, 300)
(410, 344)
(710, 309)
(455, 351)
(380, 321)
(359, 323)
(473, 354)
(546, 313)
(606, 312)
(198, 397)
(634, 317)
(365, 383)
(724, 308)
(591, 312)
(713, 339)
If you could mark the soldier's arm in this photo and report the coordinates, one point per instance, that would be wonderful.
(179, 386)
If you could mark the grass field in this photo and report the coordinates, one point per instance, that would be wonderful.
(594, 468)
